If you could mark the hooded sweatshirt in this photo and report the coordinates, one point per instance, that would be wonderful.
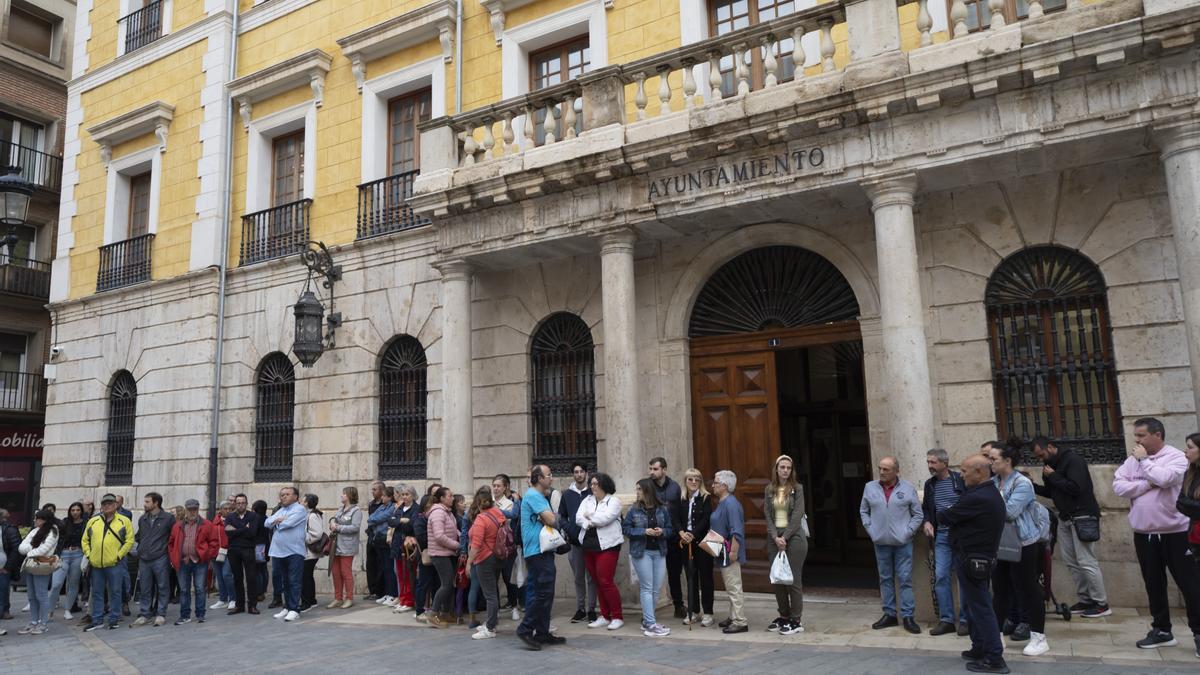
(1152, 486)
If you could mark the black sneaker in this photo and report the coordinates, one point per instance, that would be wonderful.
(1020, 633)
(1080, 607)
(972, 654)
(984, 666)
(592, 616)
(580, 615)
(725, 623)
(1157, 638)
(1096, 611)
(95, 626)
(551, 639)
(199, 619)
(680, 612)
(1008, 627)
(530, 643)
(114, 625)
(778, 623)
(182, 620)
(792, 627)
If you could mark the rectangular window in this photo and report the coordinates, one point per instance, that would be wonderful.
(139, 205)
(726, 16)
(30, 30)
(12, 352)
(287, 178)
(979, 16)
(404, 141)
(554, 65)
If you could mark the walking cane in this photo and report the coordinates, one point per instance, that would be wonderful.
(691, 580)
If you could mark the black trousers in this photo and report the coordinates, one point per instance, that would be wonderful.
(985, 633)
(1157, 553)
(676, 560)
(245, 577)
(700, 581)
(1015, 584)
(308, 584)
(374, 572)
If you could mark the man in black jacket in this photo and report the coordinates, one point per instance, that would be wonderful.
(669, 495)
(1069, 484)
(568, 506)
(942, 491)
(241, 527)
(10, 538)
(976, 522)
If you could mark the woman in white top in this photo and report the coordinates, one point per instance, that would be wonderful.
(312, 535)
(39, 543)
(599, 520)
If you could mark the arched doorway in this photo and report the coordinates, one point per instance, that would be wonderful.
(777, 368)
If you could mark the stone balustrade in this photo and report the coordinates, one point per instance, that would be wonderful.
(799, 49)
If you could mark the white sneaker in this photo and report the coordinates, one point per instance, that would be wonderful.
(281, 613)
(400, 609)
(483, 634)
(291, 616)
(1037, 645)
(220, 604)
(232, 604)
(706, 620)
(553, 629)
(389, 601)
(25, 608)
(68, 615)
(516, 616)
(615, 624)
(600, 622)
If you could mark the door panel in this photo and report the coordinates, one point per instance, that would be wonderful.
(737, 428)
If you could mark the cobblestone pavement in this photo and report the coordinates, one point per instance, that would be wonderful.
(368, 637)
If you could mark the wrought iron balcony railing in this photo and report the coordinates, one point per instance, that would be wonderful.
(21, 276)
(275, 232)
(383, 206)
(143, 26)
(39, 168)
(124, 263)
(22, 392)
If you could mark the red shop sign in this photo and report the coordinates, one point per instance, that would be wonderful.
(21, 441)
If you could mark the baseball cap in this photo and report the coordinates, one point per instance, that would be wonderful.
(110, 497)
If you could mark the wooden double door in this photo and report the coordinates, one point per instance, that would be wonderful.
(736, 406)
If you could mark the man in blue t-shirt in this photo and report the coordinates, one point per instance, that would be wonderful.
(534, 629)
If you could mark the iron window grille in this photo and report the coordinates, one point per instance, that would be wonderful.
(402, 400)
(563, 393)
(274, 426)
(122, 417)
(1053, 369)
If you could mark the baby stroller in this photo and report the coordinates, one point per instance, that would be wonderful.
(1054, 607)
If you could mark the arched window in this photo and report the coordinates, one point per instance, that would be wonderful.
(275, 422)
(564, 394)
(1052, 356)
(122, 416)
(402, 394)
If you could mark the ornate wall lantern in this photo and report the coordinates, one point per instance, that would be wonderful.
(309, 342)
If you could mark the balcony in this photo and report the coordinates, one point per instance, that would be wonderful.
(22, 276)
(124, 263)
(41, 169)
(22, 392)
(143, 26)
(275, 232)
(383, 206)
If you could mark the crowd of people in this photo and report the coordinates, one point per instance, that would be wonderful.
(446, 557)
(991, 537)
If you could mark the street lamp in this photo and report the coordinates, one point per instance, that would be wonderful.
(15, 192)
(309, 342)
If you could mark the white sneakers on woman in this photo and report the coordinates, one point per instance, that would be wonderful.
(600, 622)
(400, 609)
(1037, 645)
(615, 624)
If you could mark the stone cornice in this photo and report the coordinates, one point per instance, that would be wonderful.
(265, 12)
(308, 68)
(411, 28)
(153, 117)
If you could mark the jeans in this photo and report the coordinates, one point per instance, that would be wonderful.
(278, 575)
(1080, 558)
(426, 575)
(110, 582)
(895, 565)
(985, 632)
(540, 605)
(651, 569)
(5, 582)
(192, 577)
(387, 566)
(224, 578)
(261, 577)
(70, 573)
(945, 561)
(37, 587)
(1157, 553)
(583, 590)
(126, 580)
(154, 575)
(487, 572)
(474, 590)
(444, 564)
(292, 567)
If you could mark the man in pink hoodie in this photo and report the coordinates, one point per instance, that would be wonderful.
(1150, 478)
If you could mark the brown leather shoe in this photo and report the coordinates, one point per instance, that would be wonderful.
(439, 620)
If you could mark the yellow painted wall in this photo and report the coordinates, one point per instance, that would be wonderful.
(177, 80)
(102, 45)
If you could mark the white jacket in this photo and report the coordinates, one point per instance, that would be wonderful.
(605, 517)
(47, 548)
(316, 527)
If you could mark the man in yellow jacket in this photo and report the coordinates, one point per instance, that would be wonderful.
(107, 539)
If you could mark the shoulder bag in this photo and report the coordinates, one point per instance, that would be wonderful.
(1010, 539)
(41, 565)
(1087, 528)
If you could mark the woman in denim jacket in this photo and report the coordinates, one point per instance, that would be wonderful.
(377, 527)
(648, 526)
(1016, 583)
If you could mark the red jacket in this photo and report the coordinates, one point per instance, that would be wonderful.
(207, 543)
(218, 524)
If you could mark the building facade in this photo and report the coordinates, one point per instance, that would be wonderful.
(565, 230)
(35, 57)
